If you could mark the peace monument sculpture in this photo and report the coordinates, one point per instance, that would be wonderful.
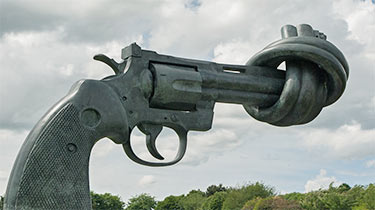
(151, 91)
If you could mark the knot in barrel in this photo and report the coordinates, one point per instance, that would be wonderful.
(316, 75)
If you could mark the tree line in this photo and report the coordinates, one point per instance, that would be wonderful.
(256, 196)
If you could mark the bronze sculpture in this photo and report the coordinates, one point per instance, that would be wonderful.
(150, 91)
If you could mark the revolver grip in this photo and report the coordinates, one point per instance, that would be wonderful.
(51, 169)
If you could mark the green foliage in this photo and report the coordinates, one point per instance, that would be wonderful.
(340, 198)
(274, 203)
(237, 197)
(215, 201)
(356, 192)
(215, 188)
(193, 200)
(343, 188)
(326, 199)
(369, 197)
(106, 201)
(252, 204)
(337, 201)
(1, 202)
(170, 203)
(295, 196)
(196, 192)
(313, 201)
(248, 197)
(141, 202)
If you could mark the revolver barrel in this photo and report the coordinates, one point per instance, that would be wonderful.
(247, 86)
(183, 87)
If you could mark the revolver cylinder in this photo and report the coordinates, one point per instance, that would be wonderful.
(175, 87)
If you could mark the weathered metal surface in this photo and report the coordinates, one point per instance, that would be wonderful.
(152, 91)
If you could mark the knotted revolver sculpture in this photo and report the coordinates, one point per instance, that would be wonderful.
(151, 91)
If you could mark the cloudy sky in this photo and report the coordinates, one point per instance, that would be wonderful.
(45, 46)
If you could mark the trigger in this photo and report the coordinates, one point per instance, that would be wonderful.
(151, 131)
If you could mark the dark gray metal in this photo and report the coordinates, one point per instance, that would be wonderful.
(153, 91)
(316, 76)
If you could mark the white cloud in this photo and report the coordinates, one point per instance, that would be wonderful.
(321, 181)
(200, 145)
(166, 143)
(42, 55)
(3, 175)
(103, 147)
(370, 164)
(342, 22)
(358, 14)
(10, 144)
(46, 68)
(147, 180)
(236, 52)
(209, 144)
(372, 104)
(348, 141)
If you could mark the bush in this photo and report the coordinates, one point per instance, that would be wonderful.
(170, 202)
(106, 201)
(215, 188)
(193, 200)
(236, 198)
(367, 200)
(335, 198)
(295, 196)
(141, 202)
(215, 201)
(274, 203)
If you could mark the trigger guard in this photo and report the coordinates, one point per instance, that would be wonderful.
(182, 134)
